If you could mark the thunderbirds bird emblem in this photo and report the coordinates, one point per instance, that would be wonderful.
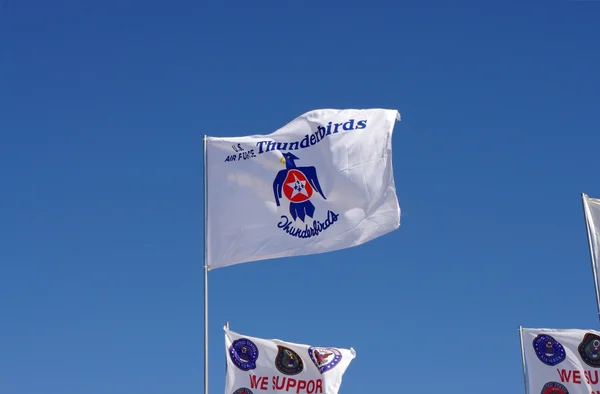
(298, 185)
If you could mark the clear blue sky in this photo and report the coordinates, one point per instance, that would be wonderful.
(103, 105)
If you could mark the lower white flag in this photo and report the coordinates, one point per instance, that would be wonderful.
(256, 366)
(561, 361)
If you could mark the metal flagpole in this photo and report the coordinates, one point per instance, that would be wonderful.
(523, 360)
(206, 267)
(586, 214)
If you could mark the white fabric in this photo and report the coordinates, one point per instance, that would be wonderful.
(592, 213)
(253, 366)
(564, 366)
(347, 154)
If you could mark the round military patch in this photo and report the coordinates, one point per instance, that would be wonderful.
(325, 358)
(243, 390)
(554, 388)
(243, 353)
(288, 362)
(589, 350)
(548, 350)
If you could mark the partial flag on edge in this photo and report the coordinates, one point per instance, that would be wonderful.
(561, 361)
(591, 208)
(256, 365)
(323, 182)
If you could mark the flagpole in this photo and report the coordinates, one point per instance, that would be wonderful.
(586, 213)
(523, 360)
(206, 267)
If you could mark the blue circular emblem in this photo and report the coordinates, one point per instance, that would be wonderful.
(324, 358)
(589, 350)
(548, 350)
(243, 353)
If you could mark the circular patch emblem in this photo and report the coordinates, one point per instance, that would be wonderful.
(548, 350)
(589, 350)
(296, 187)
(554, 388)
(243, 390)
(243, 353)
(288, 362)
(324, 358)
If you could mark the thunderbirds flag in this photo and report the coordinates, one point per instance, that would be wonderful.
(321, 183)
(591, 207)
(561, 361)
(262, 366)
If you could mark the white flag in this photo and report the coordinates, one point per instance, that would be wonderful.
(562, 361)
(262, 366)
(592, 217)
(321, 183)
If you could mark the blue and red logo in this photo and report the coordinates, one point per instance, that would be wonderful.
(554, 388)
(298, 185)
(325, 358)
